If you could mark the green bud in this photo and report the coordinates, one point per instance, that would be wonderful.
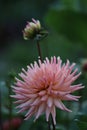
(33, 30)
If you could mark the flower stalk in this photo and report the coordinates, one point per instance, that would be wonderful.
(39, 50)
(52, 122)
(49, 125)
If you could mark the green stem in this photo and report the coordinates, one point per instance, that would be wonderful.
(39, 50)
(52, 123)
(49, 125)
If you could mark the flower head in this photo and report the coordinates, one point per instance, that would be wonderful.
(44, 86)
(33, 30)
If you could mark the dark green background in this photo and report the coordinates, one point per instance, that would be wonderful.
(66, 22)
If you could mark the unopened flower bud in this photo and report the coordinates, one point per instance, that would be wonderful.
(33, 30)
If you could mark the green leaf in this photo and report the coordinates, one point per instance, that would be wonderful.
(82, 125)
(69, 23)
(56, 45)
(70, 4)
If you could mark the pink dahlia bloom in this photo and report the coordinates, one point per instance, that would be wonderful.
(44, 86)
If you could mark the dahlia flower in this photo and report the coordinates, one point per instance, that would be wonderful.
(43, 87)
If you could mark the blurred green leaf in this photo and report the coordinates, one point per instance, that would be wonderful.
(82, 125)
(69, 23)
(70, 4)
(56, 45)
(26, 125)
(83, 5)
(81, 116)
(60, 127)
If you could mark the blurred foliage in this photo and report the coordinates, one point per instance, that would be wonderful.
(69, 21)
(66, 21)
(81, 121)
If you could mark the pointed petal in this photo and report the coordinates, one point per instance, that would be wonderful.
(48, 110)
(70, 97)
(53, 112)
(60, 105)
(40, 110)
(36, 102)
(30, 113)
(27, 103)
(76, 87)
(30, 110)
